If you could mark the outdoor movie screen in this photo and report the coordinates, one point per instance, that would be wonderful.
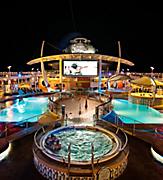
(80, 68)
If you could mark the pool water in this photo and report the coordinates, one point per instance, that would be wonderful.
(24, 109)
(81, 141)
(136, 113)
(33, 106)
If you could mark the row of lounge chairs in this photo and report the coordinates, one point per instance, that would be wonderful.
(25, 91)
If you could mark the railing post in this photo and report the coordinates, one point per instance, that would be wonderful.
(92, 160)
(122, 125)
(69, 159)
(133, 130)
(63, 111)
(65, 120)
(94, 119)
(155, 132)
(97, 113)
(115, 120)
(6, 129)
(26, 124)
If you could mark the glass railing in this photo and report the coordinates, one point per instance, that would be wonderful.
(104, 108)
(11, 128)
(135, 127)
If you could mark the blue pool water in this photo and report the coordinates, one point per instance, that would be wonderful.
(80, 140)
(33, 106)
(24, 109)
(136, 113)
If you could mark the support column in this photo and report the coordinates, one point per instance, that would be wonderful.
(99, 76)
(60, 73)
(119, 59)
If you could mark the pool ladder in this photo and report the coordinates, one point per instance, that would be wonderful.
(92, 160)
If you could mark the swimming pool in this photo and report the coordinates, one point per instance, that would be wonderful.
(24, 109)
(136, 113)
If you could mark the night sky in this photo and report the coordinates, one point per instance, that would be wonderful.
(25, 25)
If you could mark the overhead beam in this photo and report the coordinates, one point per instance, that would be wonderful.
(81, 57)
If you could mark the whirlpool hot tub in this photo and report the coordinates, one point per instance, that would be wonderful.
(84, 152)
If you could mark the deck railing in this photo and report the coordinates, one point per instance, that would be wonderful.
(135, 127)
(15, 129)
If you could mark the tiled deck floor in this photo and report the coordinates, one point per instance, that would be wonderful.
(72, 107)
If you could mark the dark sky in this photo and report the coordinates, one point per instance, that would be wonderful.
(25, 25)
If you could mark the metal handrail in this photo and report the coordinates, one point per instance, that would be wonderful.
(118, 115)
(26, 120)
(35, 139)
(126, 138)
(47, 152)
(126, 141)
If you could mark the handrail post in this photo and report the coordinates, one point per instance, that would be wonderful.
(122, 125)
(97, 113)
(115, 120)
(6, 129)
(92, 160)
(133, 130)
(69, 159)
(26, 124)
(94, 119)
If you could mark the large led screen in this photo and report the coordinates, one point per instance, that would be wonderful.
(80, 68)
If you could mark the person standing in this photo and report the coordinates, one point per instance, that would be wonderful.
(79, 109)
(86, 104)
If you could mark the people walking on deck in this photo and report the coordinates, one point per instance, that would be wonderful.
(86, 104)
(79, 109)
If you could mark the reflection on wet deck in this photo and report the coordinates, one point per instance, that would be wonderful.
(76, 111)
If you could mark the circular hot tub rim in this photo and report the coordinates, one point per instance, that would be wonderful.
(115, 149)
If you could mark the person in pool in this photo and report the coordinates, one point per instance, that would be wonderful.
(57, 145)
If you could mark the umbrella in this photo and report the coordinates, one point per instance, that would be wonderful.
(158, 83)
(144, 81)
(119, 77)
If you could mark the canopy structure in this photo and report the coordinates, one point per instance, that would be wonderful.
(158, 83)
(146, 81)
(80, 57)
(119, 77)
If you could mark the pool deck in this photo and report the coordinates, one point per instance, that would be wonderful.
(150, 133)
(141, 164)
(155, 137)
(19, 164)
(76, 111)
(20, 134)
(86, 117)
